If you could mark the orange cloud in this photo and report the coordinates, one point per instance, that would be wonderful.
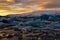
(5, 10)
(9, 6)
(10, 1)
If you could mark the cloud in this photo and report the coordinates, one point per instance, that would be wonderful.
(52, 4)
(23, 6)
(39, 3)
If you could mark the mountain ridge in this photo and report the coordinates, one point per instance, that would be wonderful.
(37, 13)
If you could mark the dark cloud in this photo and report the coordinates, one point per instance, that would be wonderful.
(52, 4)
(49, 4)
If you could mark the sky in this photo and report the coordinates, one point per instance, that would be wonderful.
(24, 6)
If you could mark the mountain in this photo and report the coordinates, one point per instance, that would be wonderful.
(37, 13)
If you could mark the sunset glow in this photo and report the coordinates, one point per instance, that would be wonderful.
(24, 6)
(10, 1)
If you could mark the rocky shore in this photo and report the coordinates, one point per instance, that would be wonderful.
(29, 34)
(44, 27)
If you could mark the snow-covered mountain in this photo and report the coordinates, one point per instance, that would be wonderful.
(37, 13)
